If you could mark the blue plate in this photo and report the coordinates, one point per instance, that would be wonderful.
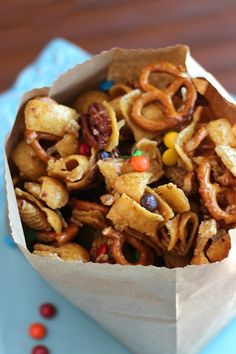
(22, 289)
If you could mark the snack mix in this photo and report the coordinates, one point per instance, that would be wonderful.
(132, 172)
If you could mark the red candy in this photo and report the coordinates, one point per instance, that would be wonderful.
(37, 330)
(47, 310)
(84, 149)
(40, 349)
(103, 249)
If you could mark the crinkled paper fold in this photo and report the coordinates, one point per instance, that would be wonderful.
(151, 310)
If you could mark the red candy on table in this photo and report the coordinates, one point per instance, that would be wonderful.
(47, 310)
(40, 349)
(84, 149)
(37, 330)
(140, 163)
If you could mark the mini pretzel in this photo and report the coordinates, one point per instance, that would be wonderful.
(172, 119)
(87, 206)
(209, 192)
(119, 238)
(61, 238)
(173, 116)
(32, 138)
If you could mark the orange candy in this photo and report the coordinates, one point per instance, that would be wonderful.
(140, 163)
(37, 330)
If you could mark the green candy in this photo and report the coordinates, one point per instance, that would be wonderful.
(136, 152)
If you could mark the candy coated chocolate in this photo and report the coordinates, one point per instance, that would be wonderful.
(149, 202)
(102, 154)
(47, 310)
(40, 349)
(37, 331)
(106, 85)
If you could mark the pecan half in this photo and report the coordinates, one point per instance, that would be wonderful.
(96, 126)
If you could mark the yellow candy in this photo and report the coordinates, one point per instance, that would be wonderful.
(170, 157)
(169, 139)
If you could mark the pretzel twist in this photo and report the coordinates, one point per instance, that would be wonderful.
(209, 192)
(32, 138)
(67, 235)
(119, 239)
(173, 116)
(87, 205)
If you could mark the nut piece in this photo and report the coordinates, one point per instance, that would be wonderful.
(107, 199)
(96, 126)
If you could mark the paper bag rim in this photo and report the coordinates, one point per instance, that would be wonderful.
(51, 91)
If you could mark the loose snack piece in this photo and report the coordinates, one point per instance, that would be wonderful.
(174, 197)
(69, 252)
(35, 215)
(50, 190)
(137, 218)
(59, 238)
(97, 126)
(37, 331)
(171, 117)
(139, 171)
(40, 349)
(45, 115)
(29, 165)
(48, 310)
(145, 256)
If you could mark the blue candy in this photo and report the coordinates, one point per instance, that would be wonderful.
(8, 240)
(106, 85)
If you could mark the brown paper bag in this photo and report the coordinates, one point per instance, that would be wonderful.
(151, 310)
